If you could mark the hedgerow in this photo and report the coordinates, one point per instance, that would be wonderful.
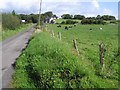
(10, 21)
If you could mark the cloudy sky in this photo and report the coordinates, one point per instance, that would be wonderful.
(59, 7)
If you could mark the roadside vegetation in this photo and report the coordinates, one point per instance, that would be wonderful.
(6, 33)
(11, 25)
(48, 62)
(52, 63)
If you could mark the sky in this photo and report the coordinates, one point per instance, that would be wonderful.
(89, 8)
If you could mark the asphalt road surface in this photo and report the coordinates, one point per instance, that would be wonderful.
(11, 49)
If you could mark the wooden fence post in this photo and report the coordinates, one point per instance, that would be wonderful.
(52, 33)
(75, 46)
(59, 35)
(46, 27)
(102, 54)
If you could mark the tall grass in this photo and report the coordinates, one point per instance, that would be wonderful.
(6, 33)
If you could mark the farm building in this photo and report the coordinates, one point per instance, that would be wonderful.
(49, 20)
(23, 21)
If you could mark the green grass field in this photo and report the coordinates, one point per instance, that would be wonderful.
(52, 63)
(61, 20)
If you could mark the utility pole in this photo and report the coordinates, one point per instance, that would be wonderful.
(40, 13)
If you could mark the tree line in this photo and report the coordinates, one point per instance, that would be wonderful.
(89, 20)
(13, 20)
(33, 18)
(81, 17)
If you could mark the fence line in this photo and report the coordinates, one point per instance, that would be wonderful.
(101, 48)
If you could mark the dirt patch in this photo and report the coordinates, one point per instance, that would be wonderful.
(38, 31)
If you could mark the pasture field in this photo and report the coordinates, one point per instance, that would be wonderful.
(61, 20)
(52, 63)
(88, 42)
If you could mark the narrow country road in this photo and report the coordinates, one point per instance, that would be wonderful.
(11, 49)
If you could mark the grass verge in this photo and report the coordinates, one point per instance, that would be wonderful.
(8, 33)
(50, 63)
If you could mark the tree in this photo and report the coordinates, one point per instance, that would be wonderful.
(34, 18)
(91, 18)
(49, 14)
(108, 17)
(23, 17)
(84, 21)
(79, 17)
(67, 16)
(98, 17)
(13, 12)
(112, 18)
(105, 17)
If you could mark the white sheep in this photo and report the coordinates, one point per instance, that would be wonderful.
(100, 28)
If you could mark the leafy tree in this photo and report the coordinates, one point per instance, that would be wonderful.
(67, 16)
(98, 17)
(84, 21)
(108, 17)
(105, 17)
(112, 18)
(79, 17)
(49, 14)
(34, 18)
(63, 22)
(13, 12)
(23, 17)
(91, 18)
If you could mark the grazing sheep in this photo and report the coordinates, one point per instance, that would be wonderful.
(100, 28)
(90, 29)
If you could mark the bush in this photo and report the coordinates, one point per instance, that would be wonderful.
(69, 22)
(63, 22)
(91, 21)
(113, 21)
(10, 21)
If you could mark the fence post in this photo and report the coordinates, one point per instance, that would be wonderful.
(46, 27)
(75, 46)
(59, 35)
(52, 33)
(102, 54)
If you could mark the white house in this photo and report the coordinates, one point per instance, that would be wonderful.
(52, 20)
(23, 21)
